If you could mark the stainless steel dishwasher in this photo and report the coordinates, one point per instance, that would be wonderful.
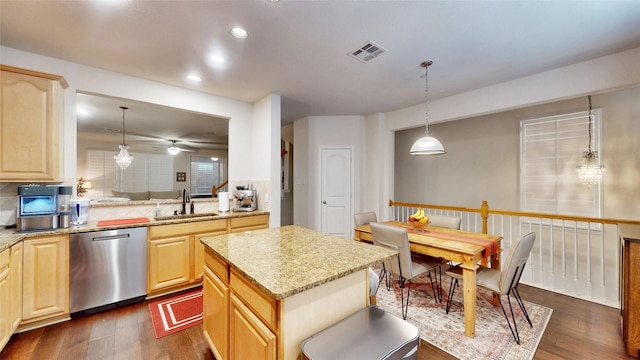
(107, 268)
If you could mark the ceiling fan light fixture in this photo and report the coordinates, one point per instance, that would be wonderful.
(240, 33)
(427, 145)
(123, 159)
(174, 150)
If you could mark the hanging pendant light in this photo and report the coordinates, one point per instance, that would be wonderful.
(590, 172)
(123, 159)
(427, 145)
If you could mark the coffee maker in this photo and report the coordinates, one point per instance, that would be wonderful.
(245, 199)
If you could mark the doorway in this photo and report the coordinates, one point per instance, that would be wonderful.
(336, 190)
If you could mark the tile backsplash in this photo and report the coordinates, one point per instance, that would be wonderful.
(8, 203)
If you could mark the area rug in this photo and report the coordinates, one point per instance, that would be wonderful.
(176, 313)
(493, 339)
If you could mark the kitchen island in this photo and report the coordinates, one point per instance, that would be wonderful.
(267, 290)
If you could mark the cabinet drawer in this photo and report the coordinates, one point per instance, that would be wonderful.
(262, 305)
(196, 227)
(246, 223)
(219, 267)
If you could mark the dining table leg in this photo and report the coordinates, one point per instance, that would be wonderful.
(469, 290)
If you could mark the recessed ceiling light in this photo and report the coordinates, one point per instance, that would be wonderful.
(194, 78)
(240, 33)
(217, 59)
(82, 111)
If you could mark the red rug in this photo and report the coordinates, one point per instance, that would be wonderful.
(176, 313)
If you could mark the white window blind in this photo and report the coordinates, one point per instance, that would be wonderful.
(147, 172)
(550, 150)
(160, 172)
(205, 173)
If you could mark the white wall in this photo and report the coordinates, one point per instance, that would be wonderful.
(301, 190)
(324, 131)
(600, 75)
(265, 155)
(98, 81)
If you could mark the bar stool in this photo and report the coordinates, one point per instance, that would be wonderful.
(370, 333)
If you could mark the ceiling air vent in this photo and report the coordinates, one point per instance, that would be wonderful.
(367, 51)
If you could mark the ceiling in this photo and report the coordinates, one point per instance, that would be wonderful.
(298, 49)
(148, 127)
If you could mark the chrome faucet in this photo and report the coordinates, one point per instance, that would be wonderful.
(185, 201)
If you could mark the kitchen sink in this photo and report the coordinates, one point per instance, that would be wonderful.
(184, 216)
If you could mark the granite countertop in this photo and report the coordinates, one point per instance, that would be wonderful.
(290, 259)
(10, 237)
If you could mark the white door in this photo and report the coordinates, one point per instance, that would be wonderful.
(335, 191)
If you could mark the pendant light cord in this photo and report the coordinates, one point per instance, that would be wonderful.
(590, 123)
(124, 108)
(426, 65)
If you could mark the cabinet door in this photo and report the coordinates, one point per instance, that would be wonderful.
(45, 285)
(199, 252)
(169, 262)
(216, 314)
(15, 284)
(249, 338)
(29, 127)
(5, 322)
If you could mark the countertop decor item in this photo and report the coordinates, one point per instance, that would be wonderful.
(427, 145)
(82, 187)
(123, 159)
(590, 172)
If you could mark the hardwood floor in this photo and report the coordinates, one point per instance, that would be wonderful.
(577, 330)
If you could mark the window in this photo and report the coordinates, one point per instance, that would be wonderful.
(146, 172)
(550, 150)
(205, 173)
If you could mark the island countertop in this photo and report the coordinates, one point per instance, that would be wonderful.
(290, 259)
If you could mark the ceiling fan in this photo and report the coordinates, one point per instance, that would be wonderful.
(175, 150)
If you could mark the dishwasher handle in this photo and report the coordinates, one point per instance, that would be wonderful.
(111, 237)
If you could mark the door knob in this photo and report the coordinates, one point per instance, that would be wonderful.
(324, 203)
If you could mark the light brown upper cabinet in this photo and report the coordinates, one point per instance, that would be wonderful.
(31, 112)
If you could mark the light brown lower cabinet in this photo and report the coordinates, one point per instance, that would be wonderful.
(15, 284)
(216, 315)
(5, 300)
(249, 337)
(176, 255)
(241, 321)
(45, 285)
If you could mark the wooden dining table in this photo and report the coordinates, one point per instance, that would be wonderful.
(454, 245)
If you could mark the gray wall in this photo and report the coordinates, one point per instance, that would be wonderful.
(482, 160)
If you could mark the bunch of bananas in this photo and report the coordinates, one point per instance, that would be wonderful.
(419, 217)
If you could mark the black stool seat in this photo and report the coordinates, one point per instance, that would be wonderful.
(370, 333)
